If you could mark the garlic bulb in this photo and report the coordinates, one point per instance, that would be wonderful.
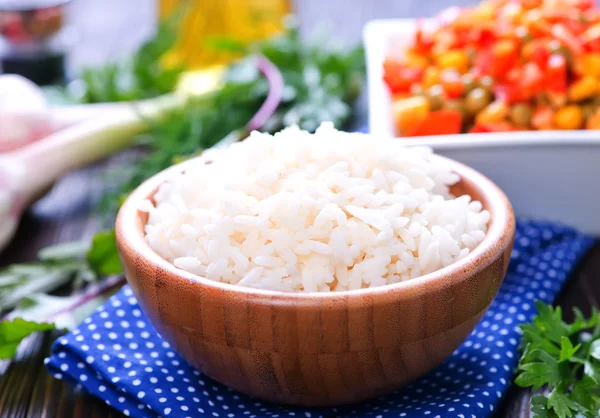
(24, 113)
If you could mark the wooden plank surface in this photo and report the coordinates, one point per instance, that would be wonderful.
(106, 29)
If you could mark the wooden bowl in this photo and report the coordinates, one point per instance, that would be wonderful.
(318, 349)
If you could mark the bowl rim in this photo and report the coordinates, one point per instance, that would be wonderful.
(498, 237)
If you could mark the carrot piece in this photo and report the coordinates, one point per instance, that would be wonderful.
(593, 122)
(493, 127)
(543, 118)
(440, 122)
(567, 38)
(409, 112)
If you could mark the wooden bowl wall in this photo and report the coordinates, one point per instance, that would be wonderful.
(317, 349)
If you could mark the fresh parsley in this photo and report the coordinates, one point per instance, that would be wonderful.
(139, 77)
(564, 359)
(76, 263)
(24, 288)
(321, 84)
(103, 256)
(13, 332)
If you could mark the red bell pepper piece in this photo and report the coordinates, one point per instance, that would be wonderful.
(532, 79)
(556, 73)
(448, 16)
(543, 118)
(493, 127)
(499, 59)
(483, 63)
(567, 38)
(591, 38)
(398, 77)
(576, 28)
(521, 84)
(531, 4)
(585, 4)
(537, 25)
(488, 64)
(560, 14)
(479, 129)
(440, 122)
(540, 55)
(423, 42)
(452, 84)
(483, 37)
(463, 38)
(508, 93)
(592, 16)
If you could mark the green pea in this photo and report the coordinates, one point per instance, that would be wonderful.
(468, 81)
(436, 97)
(477, 100)
(521, 114)
(523, 34)
(589, 109)
(416, 89)
(486, 82)
(456, 104)
(542, 100)
(555, 47)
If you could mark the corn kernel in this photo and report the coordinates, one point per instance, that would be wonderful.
(504, 48)
(556, 99)
(543, 118)
(484, 11)
(588, 64)
(455, 59)
(415, 60)
(593, 122)
(512, 11)
(431, 77)
(582, 89)
(569, 117)
(409, 112)
(495, 112)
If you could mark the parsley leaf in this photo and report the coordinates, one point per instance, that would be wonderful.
(320, 84)
(539, 408)
(567, 351)
(139, 77)
(103, 256)
(595, 349)
(58, 265)
(14, 331)
(565, 358)
(540, 369)
(561, 404)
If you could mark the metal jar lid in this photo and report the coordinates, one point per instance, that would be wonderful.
(34, 39)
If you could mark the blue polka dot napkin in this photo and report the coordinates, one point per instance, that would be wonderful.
(119, 357)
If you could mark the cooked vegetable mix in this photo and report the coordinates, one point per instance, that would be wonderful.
(503, 65)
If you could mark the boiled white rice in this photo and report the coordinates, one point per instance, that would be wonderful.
(302, 212)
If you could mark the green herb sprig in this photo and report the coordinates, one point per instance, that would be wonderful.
(140, 77)
(320, 85)
(565, 359)
(26, 287)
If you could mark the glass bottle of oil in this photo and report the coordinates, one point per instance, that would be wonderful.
(241, 20)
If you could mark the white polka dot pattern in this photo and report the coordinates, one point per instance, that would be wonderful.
(117, 355)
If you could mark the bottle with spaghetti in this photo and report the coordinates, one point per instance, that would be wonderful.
(202, 20)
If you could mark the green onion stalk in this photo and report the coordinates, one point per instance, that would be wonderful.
(26, 173)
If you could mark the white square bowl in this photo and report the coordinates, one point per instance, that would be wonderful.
(551, 175)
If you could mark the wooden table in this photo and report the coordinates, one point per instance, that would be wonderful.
(26, 389)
